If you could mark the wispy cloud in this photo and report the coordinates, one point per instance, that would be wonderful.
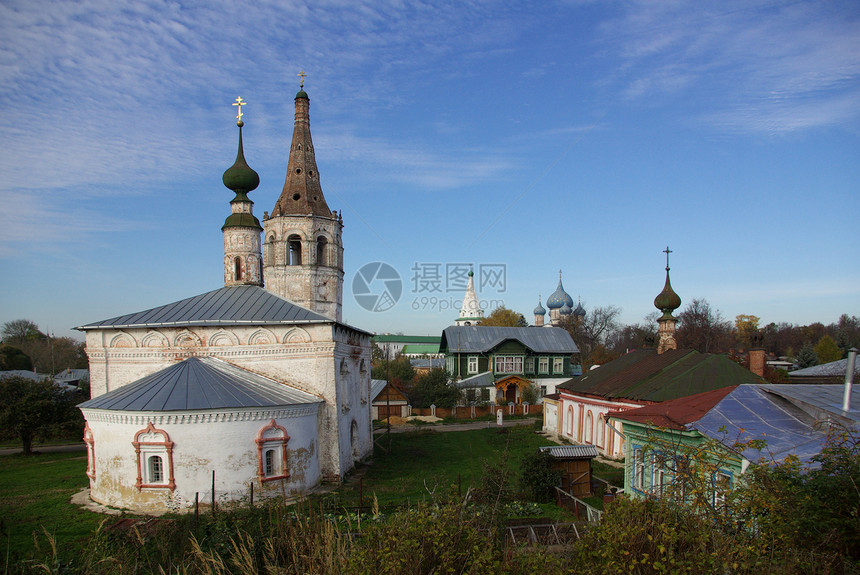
(759, 67)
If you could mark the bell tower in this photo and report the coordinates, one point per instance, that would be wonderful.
(242, 261)
(302, 250)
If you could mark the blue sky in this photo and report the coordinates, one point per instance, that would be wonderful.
(575, 135)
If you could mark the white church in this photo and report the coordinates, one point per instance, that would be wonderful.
(257, 384)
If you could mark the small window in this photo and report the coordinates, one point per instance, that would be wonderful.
(270, 466)
(639, 469)
(530, 365)
(473, 364)
(722, 485)
(542, 390)
(570, 421)
(154, 459)
(272, 452)
(237, 269)
(470, 395)
(543, 365)
(485, 394)
(156, 469)
(558, 365)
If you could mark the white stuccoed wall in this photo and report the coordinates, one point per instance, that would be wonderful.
(223, 441)
(308, 357)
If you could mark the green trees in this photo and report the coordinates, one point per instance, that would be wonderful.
(504, 317)
(432, 388)
(33, 408)
(538, 476)
(826, 350)
(806, 356)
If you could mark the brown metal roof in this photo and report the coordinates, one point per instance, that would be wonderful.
(676, 413)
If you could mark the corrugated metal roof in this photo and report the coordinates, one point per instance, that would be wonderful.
(428, 363)
(198, 384)
(232, 305)
(479, 339)
(571, 451)
(481, 380)
(376, 387)
(834, 369)
(647, 376)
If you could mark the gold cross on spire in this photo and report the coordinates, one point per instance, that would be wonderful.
(239, 103)
(667, 251)
(302, 81)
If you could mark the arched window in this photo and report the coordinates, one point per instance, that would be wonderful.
(237, 269)
(272, 452)
(269, 251)
(353, 438)
(570, 421)
(322, 245)
(589, 427)
(154, 458)
(294, 246)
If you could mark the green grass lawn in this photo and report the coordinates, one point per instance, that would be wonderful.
(35, 491)
(34, 495)
(424, 460)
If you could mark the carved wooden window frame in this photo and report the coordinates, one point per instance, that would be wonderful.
(146, 449)
(278, 445)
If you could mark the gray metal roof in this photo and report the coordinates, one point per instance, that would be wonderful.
(31, 375)
(480, 339)
(376, 387)
(751, 412)
(198, 384)
(431, 363)
(485, 379)
(834, 368)
(233, 305)
(821, 401)
(571, 451)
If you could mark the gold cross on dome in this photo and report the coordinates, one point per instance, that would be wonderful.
(239, 103)
(302, 76)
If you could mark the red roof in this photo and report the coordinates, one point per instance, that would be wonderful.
(676, 413)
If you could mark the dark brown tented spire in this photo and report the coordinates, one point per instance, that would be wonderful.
(302, 193)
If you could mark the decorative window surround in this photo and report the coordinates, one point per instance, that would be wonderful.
(272, 452)
(147, 444)
(91, 451)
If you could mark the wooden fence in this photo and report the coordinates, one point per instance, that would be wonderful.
(477, 411)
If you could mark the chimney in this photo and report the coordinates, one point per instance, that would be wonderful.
(756, 354)
(849, 379)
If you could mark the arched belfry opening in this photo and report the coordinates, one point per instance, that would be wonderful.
(294, 253)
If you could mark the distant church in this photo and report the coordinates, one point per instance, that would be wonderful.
(560, 304)
(255, 385)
